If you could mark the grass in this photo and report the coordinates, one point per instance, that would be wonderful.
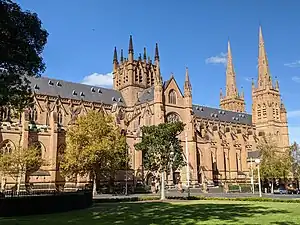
(169, 213)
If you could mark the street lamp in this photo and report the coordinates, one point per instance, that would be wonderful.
(188, 164)
(257, 161)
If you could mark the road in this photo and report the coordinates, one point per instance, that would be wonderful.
(197, 192)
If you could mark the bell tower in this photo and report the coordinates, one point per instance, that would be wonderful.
(131, 76)
(268, 110)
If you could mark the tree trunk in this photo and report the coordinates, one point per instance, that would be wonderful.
(162, 189)
(19, 178)
(94, 187)
(272, 186)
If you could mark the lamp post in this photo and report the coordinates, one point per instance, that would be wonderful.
(257, 161)
(252, 178)
(123, 132)
(188, 164)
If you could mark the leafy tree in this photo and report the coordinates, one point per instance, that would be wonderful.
(21, 162)
(161, 149)
(95, 147)
(295, 154)
(275, 162)
(21, 44)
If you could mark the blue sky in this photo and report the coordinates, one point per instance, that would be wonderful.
(82, 35)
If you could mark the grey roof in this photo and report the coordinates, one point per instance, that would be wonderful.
(222, 115)
(76, 91)
(147, 95)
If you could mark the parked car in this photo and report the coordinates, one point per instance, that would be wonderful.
(293, 191)
(280, 190)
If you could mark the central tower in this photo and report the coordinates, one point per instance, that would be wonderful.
(131, 76)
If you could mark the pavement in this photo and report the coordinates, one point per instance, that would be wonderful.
(197, 192)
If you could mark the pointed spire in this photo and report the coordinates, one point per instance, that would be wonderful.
(231, 90)
(140, 57)
(115, 60)
(264, 76)
(130, 48)
(187, 83)
(156, 52)
(122, 57)
(242, 95)
(145, 54)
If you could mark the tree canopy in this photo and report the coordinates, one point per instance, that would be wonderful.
(22, 40)
(20, 162)
(275, 163)
(161, 147)
(95, 147)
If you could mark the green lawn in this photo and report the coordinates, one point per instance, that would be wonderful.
(169, 213)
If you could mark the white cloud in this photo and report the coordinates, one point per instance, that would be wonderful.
(219, 59)
(296, 79)
(293, 64)
(98, 79)
(248, 79)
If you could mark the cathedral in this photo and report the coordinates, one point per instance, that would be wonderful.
(216, 141)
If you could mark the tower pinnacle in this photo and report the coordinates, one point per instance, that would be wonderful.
(156, 52)
(115, 60)
(130, 48)
(264, 76)
(187, 84)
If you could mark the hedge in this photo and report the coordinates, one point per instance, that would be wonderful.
(154, 198)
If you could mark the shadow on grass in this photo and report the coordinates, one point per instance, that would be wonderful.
(179, 214)
(143, 213)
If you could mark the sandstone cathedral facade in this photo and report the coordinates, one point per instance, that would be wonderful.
(217, 140)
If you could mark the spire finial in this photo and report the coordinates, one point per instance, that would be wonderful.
(145, 54)
(187, 83)
(122, 57)
(130, 49)
(156, 52)
(115, 60)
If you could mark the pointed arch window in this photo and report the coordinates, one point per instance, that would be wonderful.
(4, 113)
(259, 112)
(172, 97)
(33, 114)
(173, 117)
(60, 118)
(264, 111)
(6, 147)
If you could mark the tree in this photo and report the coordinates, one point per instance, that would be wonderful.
(161, 149)
(295, 154)
(22, 40)
(20, 162)
(95, 147)
(275, 162)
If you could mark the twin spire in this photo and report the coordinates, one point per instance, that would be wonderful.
(232, 100)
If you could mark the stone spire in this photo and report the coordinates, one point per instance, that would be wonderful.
(231, 90)
(145, 54)
(115, 60)
(156, 58)
(187, 84)
(130, 49)
(122, 57)
(264, 77)
(232, 100)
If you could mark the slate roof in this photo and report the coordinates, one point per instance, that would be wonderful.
(76, 91)
(222, 115)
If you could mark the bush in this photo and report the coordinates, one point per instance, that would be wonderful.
(153, 198)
